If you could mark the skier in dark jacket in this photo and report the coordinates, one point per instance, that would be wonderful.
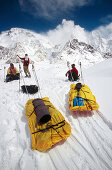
(72, 74)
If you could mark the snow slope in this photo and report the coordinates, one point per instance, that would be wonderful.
(90, 143)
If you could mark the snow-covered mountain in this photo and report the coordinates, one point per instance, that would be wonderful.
(76, 52)
(102, 38)
(20, 41)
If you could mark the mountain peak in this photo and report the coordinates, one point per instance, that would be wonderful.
(20, 41)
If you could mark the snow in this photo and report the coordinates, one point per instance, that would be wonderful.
(90, 143)
(99, 78)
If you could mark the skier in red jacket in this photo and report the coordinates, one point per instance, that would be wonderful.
(72, 74)
(25, 65)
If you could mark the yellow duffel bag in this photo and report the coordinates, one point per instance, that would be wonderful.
(81, 98)
(47, 125)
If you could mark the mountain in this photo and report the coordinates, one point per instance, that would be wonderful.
(20, 41)
(102, 38)
(39, 48)
(76, 52)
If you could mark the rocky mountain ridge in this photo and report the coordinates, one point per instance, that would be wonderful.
(20, 41)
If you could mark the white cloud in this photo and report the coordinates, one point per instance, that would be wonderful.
(50, 8)
(105, 31)
(65, 32)
(62, 33)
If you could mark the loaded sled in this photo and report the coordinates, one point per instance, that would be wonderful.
(31, 89)
(81, 98)
(47, 125)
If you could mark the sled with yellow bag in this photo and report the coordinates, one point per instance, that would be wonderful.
(81, 98)
(47, 125)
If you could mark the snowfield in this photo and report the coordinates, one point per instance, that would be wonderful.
(90, 145)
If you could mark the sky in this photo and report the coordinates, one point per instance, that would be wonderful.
(44, 15)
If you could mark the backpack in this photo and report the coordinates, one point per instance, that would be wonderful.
(78, 101)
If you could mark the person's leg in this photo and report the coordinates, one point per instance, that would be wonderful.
(9, 77)
(74, 75)
(28, 72)
(13, 77)
(17, 76)
(69, 76)
(25, 70)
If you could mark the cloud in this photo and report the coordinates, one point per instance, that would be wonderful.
(62, 33)
(107, 19)
(105, 31)
(65, 32)
(51, 8)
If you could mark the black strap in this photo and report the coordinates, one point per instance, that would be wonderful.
(62, 123)
(87, 101)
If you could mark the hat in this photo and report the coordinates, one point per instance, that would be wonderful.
(11, 64)
(73, 65)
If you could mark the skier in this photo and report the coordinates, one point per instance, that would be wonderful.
(72, 74)
(25, 65)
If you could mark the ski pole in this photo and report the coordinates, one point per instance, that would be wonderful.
(68, 64)
(36, 79)
(81, 72)
(4, 73)
(80, 69)
(19, 78)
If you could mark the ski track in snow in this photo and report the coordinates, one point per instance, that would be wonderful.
(88, 148)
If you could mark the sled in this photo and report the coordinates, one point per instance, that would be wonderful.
(31, 89)
(47, 133)
(81, 98)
